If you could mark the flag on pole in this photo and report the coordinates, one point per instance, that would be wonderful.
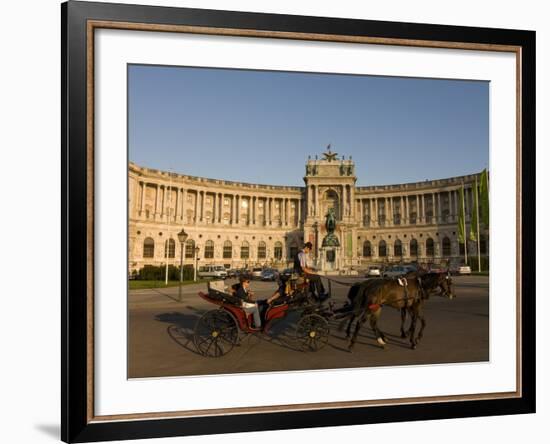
(474, 224)
(484, 198)
(461, 218)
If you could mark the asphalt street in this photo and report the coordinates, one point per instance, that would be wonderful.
(161, 335)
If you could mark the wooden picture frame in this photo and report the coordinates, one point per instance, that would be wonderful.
(79, 22)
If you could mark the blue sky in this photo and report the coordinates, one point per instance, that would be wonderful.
(260, 126)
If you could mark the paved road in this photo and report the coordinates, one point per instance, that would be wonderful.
(161, 327)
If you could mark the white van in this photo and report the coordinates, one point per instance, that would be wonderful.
(212, 271)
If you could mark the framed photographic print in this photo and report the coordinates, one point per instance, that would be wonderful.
(275, 221)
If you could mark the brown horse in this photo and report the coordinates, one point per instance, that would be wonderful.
(368, 297)
(430, 283)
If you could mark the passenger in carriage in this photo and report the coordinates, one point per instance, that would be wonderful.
(283, 293)
(248, 301)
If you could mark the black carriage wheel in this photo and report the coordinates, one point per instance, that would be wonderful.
(312, 332)
(216, 333)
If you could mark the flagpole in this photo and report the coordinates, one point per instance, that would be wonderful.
(478, 233)
(168, 222)
(464, 223)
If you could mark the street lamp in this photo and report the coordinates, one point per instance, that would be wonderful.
(182, 237)
(196, 251)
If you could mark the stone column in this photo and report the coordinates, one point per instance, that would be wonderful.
(156, 201)
(239, 205)
(344, 202)
(439, 211)
(176, 204)
(418, 215)
(309, 204)
(401, 210)
(232, 210)
(202, 205)
(255, 210)
(299, 209)
(214, 209)
(163, 209)
(196, 212)
(183, 202)
(142, 197)
(424, 209)
(433, 208)
(222, 205)
(371, 212)
(316, 200)
(288, 210)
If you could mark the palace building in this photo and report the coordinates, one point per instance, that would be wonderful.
(237, 224)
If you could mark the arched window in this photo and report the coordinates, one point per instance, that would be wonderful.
(429, 247)
(331, 200)
(398, 248)
(227, 249)
(190, 248)
(278, 251)
(382, 249)
(170, 248)
(262, 251)
(209, 249)
(245, 250)
(148, 248)
(367, 249)
(446, 246)
(414, 247)
(293, 251)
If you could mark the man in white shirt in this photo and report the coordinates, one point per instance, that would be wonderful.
(301, 266)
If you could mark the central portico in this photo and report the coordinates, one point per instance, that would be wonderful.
(330, 188)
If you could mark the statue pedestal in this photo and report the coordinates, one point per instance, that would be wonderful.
(330, 260)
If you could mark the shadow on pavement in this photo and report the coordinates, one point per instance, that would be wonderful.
(182, 327)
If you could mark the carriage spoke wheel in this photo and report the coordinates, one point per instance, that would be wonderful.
(312, 332)
(215, 334)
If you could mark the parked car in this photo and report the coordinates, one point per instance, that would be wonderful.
(461, 269)
(212, 271)
(256, 273)
(269, 274)
(396, 271)
(373, 271)
(287, 272)
(232, 273)
(240, 272)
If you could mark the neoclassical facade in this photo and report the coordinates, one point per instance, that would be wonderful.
(241, 224)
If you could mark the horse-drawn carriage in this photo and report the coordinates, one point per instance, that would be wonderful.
(219, 330)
